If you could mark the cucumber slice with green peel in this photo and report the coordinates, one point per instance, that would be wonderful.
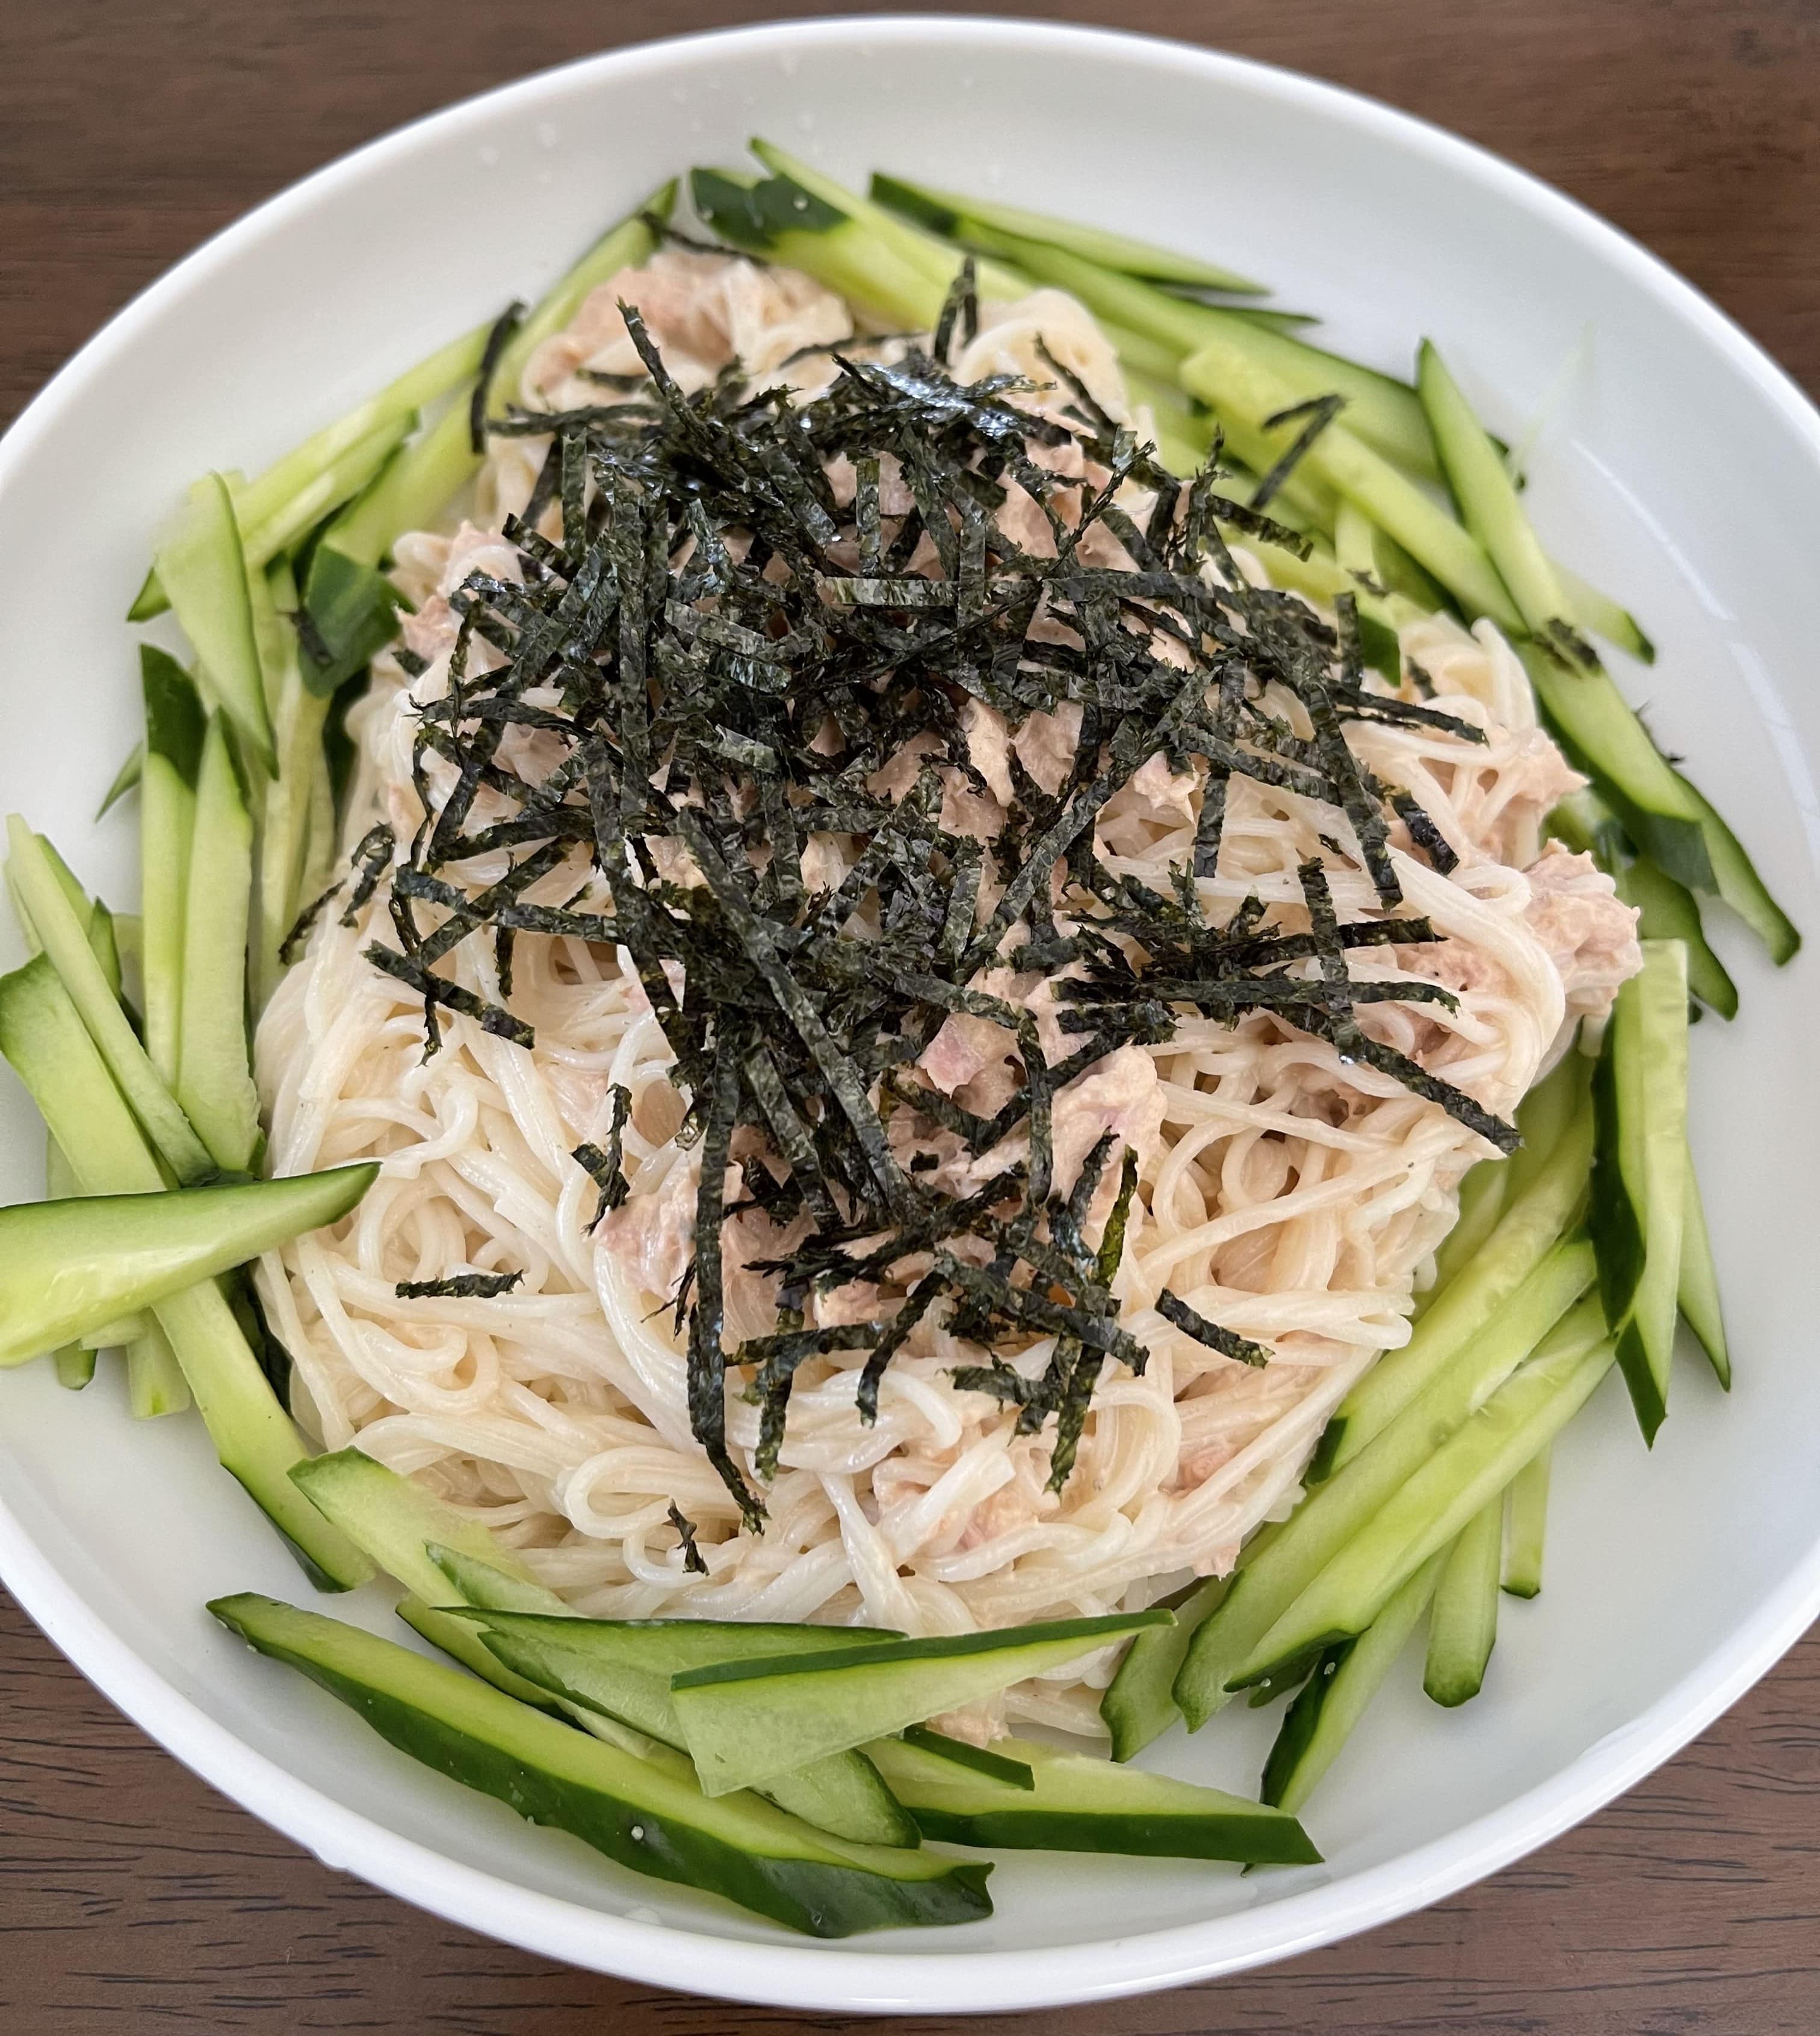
(1382, 410)
(1735, 877)
(977, 1760)
(944, 212)
(1488, 504)
(174, 727)
(1346, 1679)
(1596, 614)
(1334, 1513)
(777, 217)
(126, 780)
(155, 1382)
(937, 259)
(1482, 1200)
(1638, 1199)
(1139, 1703)
(271, 537)
(1463, 1618)
(343, 449)
(1526, 1525)
(1698, 1290)
(1078, 1802)
(646, 1814)
(70, 1266)
(74, 1362)
(1226, 374)
(1522, 1241)
(1661, 812)
(842, 1793)
(1464, 1476)
(353, 612)
(394, 1520)
(214, 1069)
(298, 716)
(65, 940)
(415, 488)
(747, 1722)
(1669, 912)
(43, 1037)
(203, 567)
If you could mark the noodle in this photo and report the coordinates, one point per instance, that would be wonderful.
(1294, 1195)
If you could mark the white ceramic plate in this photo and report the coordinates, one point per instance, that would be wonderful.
(1680, 469)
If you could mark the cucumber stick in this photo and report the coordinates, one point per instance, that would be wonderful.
(214, 1075)
(934, 256)
(1076, 1802)
(1462, 1619)
(1334, 1513)
(1464, 1475)
(1596, 614)
(394, 1519)
(1139, 1703)
(748, 1722)
(647, 1813)
(946, 212)
(75, 1364)
(1735, 877)
(50, 1051)
(1529, 1229)
(1526, 1525)
(622, 1669)
(1639, 1194)
(1381, 411)
(416, 487)
(1698, 1292)
(1487, 500)
(202, 568)
(64, 940)
(1347, 1677)
(300, 713)
(175, 726)
(342, 479)
(155, 1382)
(1483, 1196)
(69, 1267)
(1224, 373)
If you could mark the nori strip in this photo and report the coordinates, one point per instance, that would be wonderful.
(607, 1170)
(693, 1560)
(498, 340)
(1192, 1322)
(459, 1287)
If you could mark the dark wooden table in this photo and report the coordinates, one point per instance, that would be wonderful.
(131, 1898)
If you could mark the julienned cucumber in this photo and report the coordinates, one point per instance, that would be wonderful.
(1735, 877)
(418, 484)
(214, 1074)
(43, 1037)
(174, 727)
(644, 1814)
(68, 1268)
(1463, 1620)
(1526, 1526)
(202, 568)
(945, 211)
(1334, 1513)
(1639, 1190)
(1331, 1703)
(749, 1722)
(1003, 1767)
(842, 1793)
(395, 1519)
(1699, 1285)
(1530, 1227)
(1224, 373)
(65, 939)
(1078, 1804)
(1139, 1701)
(1489, 503)
(1465, 1474)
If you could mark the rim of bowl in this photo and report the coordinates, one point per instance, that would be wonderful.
(787, 1973)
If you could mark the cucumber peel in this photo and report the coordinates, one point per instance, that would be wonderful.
(645, 1814)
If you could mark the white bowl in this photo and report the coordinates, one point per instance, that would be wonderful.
(1679, 469)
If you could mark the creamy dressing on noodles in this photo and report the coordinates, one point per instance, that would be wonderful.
(1292, 1197)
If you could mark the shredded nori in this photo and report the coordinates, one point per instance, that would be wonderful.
(721, 650)
(693, 1560)
(459, 1287)
(498, 340)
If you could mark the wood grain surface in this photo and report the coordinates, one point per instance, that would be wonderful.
(133, 1899)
